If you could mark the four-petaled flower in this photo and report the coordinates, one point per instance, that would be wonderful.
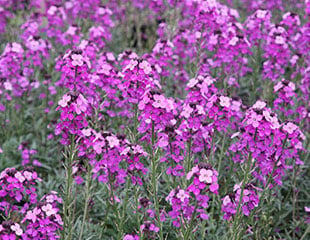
(290, 127)
(182, 195)
(205, 175)
(77, 60)
(49, 210)
(225, 101)
(64, 101)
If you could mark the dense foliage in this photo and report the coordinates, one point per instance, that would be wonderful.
(153, 119)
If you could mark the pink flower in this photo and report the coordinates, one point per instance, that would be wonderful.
(192, 82)
(131, 65)
(214, 187)
(32, 215)
(113, 141)
(77, 60)
(163, 142)
(170, 196)
(187, 110)
(17, 229)
(80, 105)
(105, 69)
(254, 119)
(278, 86)
(64, 101)
(259, 105)
(98, 147)
(205, 175)
(182, 195)
(28, 175)
(154, 228)
(19, 176)
(146, 67)
(49, 210)
(129, 237)
(226, 200)
(279, 40)
(290, 127)
(233, 41)
(159, 101)
(261, 13)
(16, 47)
(192, 172)
(225, 101)
(86, 132)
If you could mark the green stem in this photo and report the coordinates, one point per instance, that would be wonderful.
(135, 123)
(189, 150)
(294, 200)
(306, 233)
(270, 177)
(154, 182)
(105, 219)
(245, 180)
(123, 216)
(138, 222)
(189, 228)
(115, 208)
(68, 198)
(87, 199)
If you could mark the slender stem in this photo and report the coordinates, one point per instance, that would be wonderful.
(270, 177)
(114, 206)
(245, 180)
(135, 122)
(124, 210)
(154, 182)
(189, 150)
(105, 219)
(221, 154)
(306, 233)
(68, 199)
(294, 199)
(87, 199)
(189, 228)
(138, 222)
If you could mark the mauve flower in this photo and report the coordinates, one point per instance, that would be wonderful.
(192, 82)
(20, 177)
(32, 215)
(146, 67)
(159, 101)
(182, 195)
(205, 175)
(113, 141)
(49, 210)
(64, 101)
(77, 60)
(225, 101)
(254, 119)
(17, 229)
(259, 105)
(289, 127)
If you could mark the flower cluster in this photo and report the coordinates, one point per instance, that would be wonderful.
(231, 202)
(186, 206)
(43, 219)
(269, 142)
(25, 216)
(146, 98)
(204, 179)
